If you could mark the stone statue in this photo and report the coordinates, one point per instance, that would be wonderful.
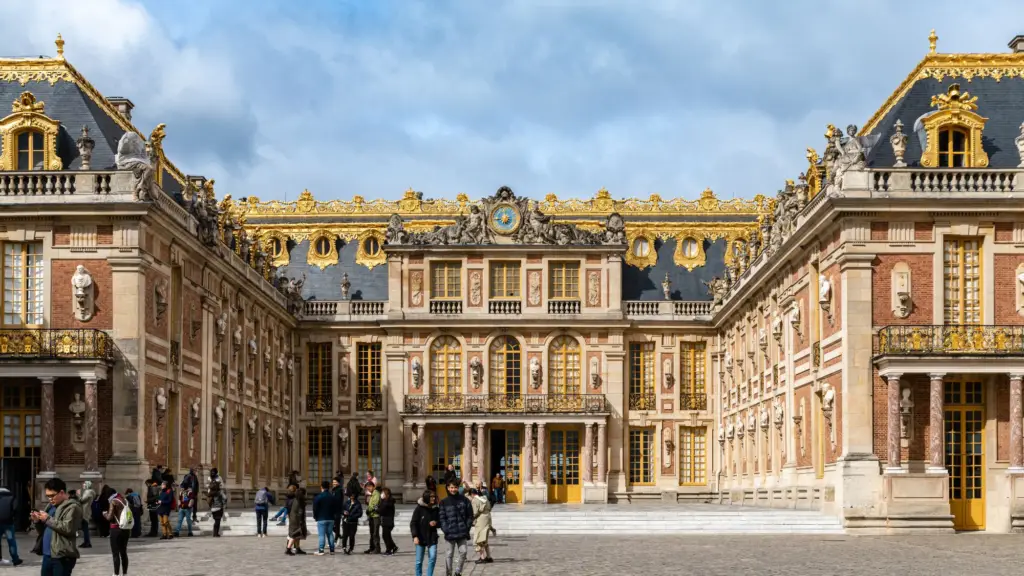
(395, 233)
(1019, 141)
(779, 410)
(85, 146)
(280, 433)
(728, 361)
(160, 298)
(670, 447)
(666, 287)
(535, 373)
(477, 231)
(899, 145)
(777, 328)
(291, 288)
(252, 426)
(77, 408)
(267, 430)
(132, 155)
(205, 215)
(824, 289)
(716, 289)
(476, 371)
(161, 401)
(253, 348)
(762, 339)
(739, 427)
(218, 412)
(614, 230)
(670, 379)
(83, 292)
(730, 430)
(195, 412)
(280, 362)
(906, 412)
(417, 373)
(291, 365)
(751, 421)
(595, 374)
(291, 436)
(222, 326)
(764, 420)
(343, 441)
(236, 338)
(345, 285)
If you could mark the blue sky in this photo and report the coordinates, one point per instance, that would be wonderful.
(350, 97)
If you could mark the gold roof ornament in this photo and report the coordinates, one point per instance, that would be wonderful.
(954, 99)
(60, 47)
(27, 103)
(708, 201)
(933, 40)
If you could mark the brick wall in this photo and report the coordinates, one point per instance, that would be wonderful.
(1002, 386)
(64, 391)
(62, 306)
(105, 234)
(1006, 283)
(921, 286)
(1004, 231)
(923, 231)
(880, 231)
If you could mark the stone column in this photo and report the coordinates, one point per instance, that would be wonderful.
(47, 464)
(421, 456)
(936, 426)
(481, 439)
(1016, 433)
(588, 450)
(528, 455)
(542, 454)
(467, 452)
(602, 452)
(407, 435)
(893, 439)
(92, 465)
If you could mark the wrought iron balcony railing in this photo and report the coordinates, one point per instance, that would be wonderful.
(319, 402)
(927, 340)
(691, 401)
(506, 404)
(369, 402)
(78, 344)
(644, 401)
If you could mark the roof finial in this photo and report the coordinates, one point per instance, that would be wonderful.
(60, 47)
(932, 41)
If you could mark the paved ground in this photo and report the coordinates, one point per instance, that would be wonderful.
(564, 555)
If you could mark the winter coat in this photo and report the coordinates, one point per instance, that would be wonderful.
(152, 498)
(353, 512)
(217, 501)
(450, 477)
(166, 502)
(324, 507)
(297, 519)
(86, 499)
(373, 504)
(420, 526)
(456, 514)
(353, 486)
(386, 511)
(481, 520)
(65, 523)
(8, 507)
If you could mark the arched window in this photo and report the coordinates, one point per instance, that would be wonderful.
(446, 366)
(506, 366)
(30, 150)
(954, 151)
(564, 373)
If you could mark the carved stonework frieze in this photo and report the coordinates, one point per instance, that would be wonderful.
(593, 288)
(476, 288)
(533, 288)
(416, 287)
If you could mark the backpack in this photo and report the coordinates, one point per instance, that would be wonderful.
(127, 519)
(261, 498)
(134, 500)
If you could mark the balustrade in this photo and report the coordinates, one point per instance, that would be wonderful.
(446, 307)
(940, 180)
(950, 339)
(505, 307)
(87, 344)
(505, 404)
(563, 307)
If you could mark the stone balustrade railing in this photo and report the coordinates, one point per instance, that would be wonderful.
(964, 180)
(337, 309)
(504, 307)
(653, 309)
(446, 307)
(37, 183)
(564, 307)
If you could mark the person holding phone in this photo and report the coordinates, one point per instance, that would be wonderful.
(62, 521)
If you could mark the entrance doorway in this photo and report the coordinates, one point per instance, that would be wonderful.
(445, 449)
(506, 453)
(564, 465)
(964, 423)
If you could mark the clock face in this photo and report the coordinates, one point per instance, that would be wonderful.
(505, 219)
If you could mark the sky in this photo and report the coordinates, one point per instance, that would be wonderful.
(347, 97)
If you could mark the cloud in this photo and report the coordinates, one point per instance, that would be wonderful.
(449, 96)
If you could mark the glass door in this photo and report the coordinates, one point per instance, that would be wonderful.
(564, 466)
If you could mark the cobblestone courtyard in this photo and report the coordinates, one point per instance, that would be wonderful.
(564, 555)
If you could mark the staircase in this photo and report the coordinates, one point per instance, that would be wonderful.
(596, 519)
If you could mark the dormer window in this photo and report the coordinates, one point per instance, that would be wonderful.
(31, 155)
(322, 246)
(276, 247)
(28, 137)
(323, 251)
(953, 132)
(953, 151)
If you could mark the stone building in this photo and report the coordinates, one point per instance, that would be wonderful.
(853, 343)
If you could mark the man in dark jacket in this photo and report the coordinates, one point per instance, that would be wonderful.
(338, 493)
(323, 515)
(153, 505)
(8, 516)
(350, 522)
(456, 520)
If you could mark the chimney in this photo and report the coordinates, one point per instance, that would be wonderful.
(123, 105)
(1017, 44)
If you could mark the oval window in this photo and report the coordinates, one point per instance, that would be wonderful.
(323, 246)
(276, 247)
(641, 247)
(371, 246)
(690, 248)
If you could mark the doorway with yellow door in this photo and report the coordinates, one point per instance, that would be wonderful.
(964, 431)
(445, 449)
(506, 457)
(563, 464)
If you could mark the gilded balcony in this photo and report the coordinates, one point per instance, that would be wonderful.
(20, 344)
(693, 401)
(319, 403)
(953, 340)
(369, 402)
(643, 401)
(506, 404)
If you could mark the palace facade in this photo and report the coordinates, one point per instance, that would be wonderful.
(853, 343)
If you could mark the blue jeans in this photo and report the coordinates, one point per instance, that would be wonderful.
(261, 520)
(58, 566)
(325, 528)
(85, 533)
(282, 514)
(12, 544)
(184, 514)
(431, 559)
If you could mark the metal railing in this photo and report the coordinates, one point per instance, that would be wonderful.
(55, 343)
(369, 402)
(950, 339)
(693, 401)
(644, 401)
(323, 402)
(505, 404)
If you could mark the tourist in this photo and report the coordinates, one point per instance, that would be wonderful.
(217, 501)
(431, 484)
(456, 514)
(135, 505)
(8, 519)
(386, 509)
(297, 523)
(120, 519)
(450, 476)
(372, 503)
(370, 483)
(423, 528)
(85, 499)
(264, 500)
(293, 479)
(338, 493)
(482, 525)
(282, 513)
(353, 484)
(99, 509)
(158, 474)
(164, 511)
(153, 505)
(186, 505)
(214, 477)
(498, 490)
(350, 521)
(191, 482)
(323, 514)
(58, 526)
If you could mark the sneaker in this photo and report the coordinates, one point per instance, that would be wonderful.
(388, 553)
(19, 562)
(318, 553)
(288, 552)
(300, 551)
(4, 562)
(86, 546)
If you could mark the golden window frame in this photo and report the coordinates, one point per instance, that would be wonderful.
(27, 113)
(363, 256)
(282, 259)
(647, 260)
(321, 261)
(690, 262)
(955, 110)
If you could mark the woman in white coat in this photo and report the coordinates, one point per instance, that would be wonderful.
(482, 526)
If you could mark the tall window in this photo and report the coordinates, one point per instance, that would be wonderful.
(505, 279)
(368, 375)
(564, 374)
(506, 366)
(962, 281)
(565, 280)
(953, 148)
(641, 456)
(641, 376)
(30, 150)
(319, 382)
(693, 456)
(368, 451)
(446, 280)
(23, 284)
(692, 375)
(22, 421)
(445, 366)
(320, 455)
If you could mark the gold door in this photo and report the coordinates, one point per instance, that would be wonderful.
(564, 466)
(445, 449)
(510, 467)
(964, 423)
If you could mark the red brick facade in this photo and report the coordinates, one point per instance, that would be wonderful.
(62, 304)
(1005, 284)
(921, 287)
